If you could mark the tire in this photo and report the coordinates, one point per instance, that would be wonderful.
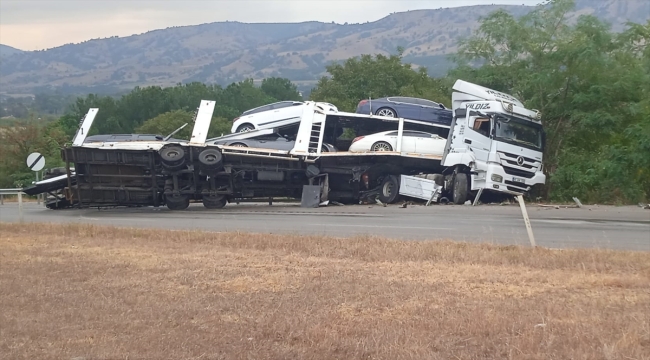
(214, 202)
(210, 159)
(386, 111)
(172, 157)
(245, 128)
(460, 190)
(238, 145)
(389, 190)
(381, 146)
(181, 202)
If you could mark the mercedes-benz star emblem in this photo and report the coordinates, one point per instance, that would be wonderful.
(520, 160)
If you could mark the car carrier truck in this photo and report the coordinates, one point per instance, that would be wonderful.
(493, 143)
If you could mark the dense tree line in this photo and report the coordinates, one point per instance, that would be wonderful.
(591, 84)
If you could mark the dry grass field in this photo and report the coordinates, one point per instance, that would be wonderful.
(88, 292)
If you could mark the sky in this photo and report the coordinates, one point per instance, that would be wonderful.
(43, 24)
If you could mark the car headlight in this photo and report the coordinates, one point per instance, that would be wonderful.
(497, 178)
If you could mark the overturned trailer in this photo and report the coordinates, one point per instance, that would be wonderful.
(477, 156)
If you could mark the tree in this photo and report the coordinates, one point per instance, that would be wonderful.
(20, 140)
(243, 96)
(586, 81)
(280, 89)
(165, 123)
(375, 76)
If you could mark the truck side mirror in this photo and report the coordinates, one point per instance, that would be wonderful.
(460, 113)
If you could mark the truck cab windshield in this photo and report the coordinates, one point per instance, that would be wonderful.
(516, 131)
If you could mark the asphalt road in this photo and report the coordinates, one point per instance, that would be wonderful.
(625, 228)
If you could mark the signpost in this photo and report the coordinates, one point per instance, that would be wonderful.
(36, 163)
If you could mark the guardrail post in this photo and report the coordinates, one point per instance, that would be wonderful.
(2, 199)
(20, 207)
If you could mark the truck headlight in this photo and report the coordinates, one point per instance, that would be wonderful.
(497, 178)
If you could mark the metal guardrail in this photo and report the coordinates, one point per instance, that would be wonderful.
(18, 192)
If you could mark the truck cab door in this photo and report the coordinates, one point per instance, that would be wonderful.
(477, 137)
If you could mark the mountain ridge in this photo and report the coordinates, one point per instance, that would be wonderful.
(6, 50)
(223, 52)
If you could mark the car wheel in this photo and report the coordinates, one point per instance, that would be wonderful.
(381, 146)
(239, 145)
(245, 128)
(388, 112)
(389, 190)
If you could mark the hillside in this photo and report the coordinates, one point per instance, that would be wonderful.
(230, 51)
(6, 51)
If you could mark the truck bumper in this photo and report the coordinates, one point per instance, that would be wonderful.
(498, 180)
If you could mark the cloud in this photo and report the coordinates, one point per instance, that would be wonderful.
(39, 24)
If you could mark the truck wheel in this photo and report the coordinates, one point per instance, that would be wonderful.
(181, 202)
(389, 190)
(214, 202)
(210, 158)
(172, 157)
(460, 190)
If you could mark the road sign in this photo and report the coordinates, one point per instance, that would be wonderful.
(35, 161)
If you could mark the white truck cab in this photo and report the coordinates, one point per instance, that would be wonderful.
(495, 143)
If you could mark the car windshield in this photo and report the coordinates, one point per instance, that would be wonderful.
(518, 131)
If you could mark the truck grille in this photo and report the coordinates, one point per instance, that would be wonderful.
(526, 170)
(517, 172)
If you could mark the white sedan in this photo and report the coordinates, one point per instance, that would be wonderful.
(412, 142)
(274, 115)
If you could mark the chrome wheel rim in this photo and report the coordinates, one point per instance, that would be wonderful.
(381, 147)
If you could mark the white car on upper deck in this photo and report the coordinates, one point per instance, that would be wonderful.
(274, 115)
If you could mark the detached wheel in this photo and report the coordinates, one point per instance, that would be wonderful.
(181, 202)
(389, 190)
(381, 146)
(210, 159)
(388, 112)
(214, 202)
(461, 189)
(173, 157)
